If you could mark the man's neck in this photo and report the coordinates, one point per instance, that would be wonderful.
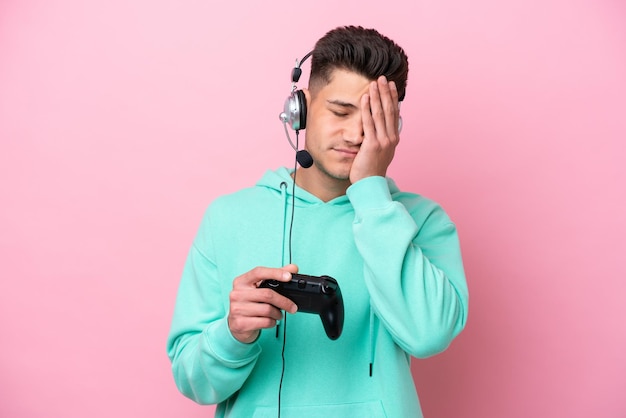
(320, 185)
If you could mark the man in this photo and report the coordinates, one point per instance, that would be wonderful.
(395, 256)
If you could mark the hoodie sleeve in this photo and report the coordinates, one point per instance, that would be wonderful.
(208, 363)
(413, 267)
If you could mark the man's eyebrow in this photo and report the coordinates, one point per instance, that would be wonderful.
(341, 103)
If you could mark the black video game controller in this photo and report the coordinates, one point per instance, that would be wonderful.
(314, 294)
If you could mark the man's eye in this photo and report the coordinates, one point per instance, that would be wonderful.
(339, 114)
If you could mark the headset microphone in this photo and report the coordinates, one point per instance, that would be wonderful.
(304, 158)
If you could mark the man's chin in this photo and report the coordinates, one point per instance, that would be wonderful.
(339, 174)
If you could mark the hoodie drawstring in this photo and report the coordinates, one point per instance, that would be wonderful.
(283, 193)
(285, 197)
(372, 342)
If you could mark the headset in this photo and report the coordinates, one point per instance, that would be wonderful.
(294, 114)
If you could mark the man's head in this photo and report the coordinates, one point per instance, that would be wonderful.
(363, 51)
(358, 77)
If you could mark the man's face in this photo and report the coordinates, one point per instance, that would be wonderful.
(334, 129)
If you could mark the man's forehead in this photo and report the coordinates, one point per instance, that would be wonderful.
(345, 86)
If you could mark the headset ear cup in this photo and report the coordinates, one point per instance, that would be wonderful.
(300, 117)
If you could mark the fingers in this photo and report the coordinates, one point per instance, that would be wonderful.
(369, 126)
(248, 316)
(246, 290)
(380, 114)
(253, 277)
(253, 308)
(392, 111)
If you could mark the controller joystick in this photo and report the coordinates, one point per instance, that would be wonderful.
(314, 294)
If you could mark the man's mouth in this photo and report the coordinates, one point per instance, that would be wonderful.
(347, 151)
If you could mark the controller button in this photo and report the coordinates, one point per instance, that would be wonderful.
(301, 284)
(328, 289)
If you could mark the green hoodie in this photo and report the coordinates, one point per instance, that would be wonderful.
(397, 260)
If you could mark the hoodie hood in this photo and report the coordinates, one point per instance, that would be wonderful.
(276, 180)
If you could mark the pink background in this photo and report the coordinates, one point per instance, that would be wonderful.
(121, 120)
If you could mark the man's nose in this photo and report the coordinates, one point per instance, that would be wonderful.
(353, 131)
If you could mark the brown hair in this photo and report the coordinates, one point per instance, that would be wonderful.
(363, 51)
